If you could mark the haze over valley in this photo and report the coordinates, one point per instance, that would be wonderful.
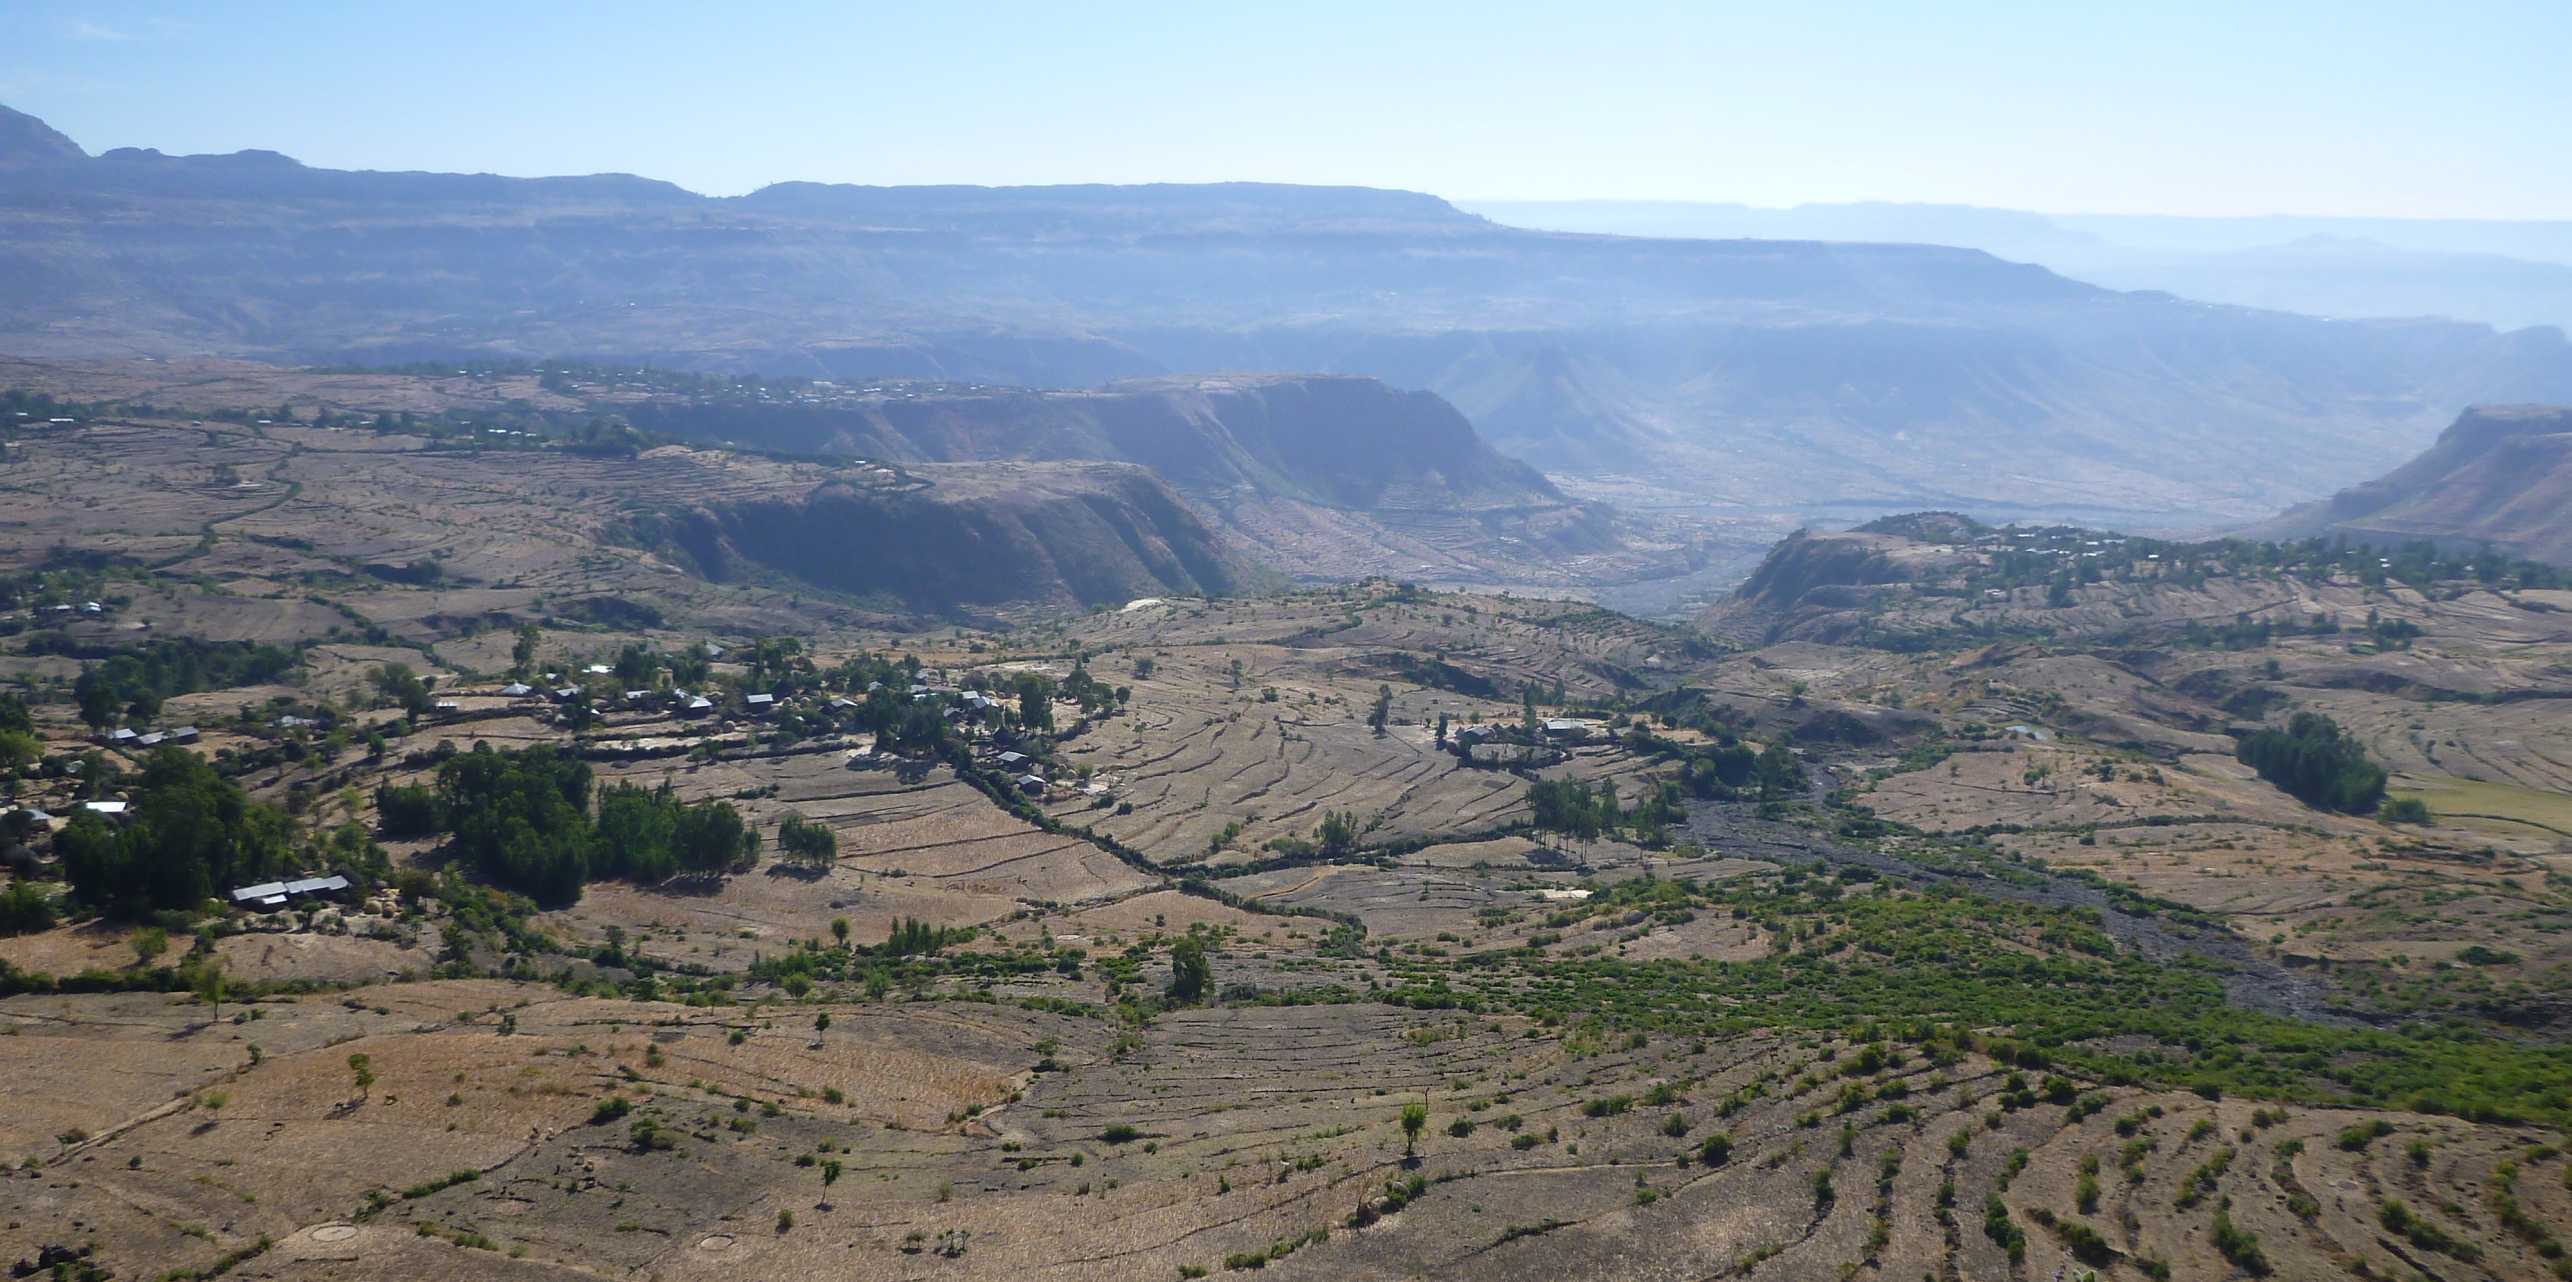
(1723, 391)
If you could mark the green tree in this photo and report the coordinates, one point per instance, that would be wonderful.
(408, 810)
(2312, 761)
(25, 909)
(522, 653)
(96, 697)
(207, 984)
(1035, 702)
(522, 818)
(19, 750)
(1780, 772)
(1414, 1117)
(806, 842)
(1337, 834)
(713, 838)
(1191, 973)
(1382, 714)
(189, 831)
(637, 666)
(396, 682)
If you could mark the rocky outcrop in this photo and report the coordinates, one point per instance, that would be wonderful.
(1817, 586)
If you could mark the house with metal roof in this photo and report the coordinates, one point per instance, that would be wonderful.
(274, 894)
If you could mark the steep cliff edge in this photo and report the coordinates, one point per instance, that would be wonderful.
(968, 538)
(1341, 441)
(2501, 474)
(1328, 476)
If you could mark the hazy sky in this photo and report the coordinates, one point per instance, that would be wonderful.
(2454, 109)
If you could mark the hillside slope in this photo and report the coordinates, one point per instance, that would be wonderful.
(2502, 475)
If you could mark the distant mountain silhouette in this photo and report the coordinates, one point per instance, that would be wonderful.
(1762, 374)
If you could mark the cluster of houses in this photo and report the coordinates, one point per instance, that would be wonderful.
(963, 705)
(2062, 541)
(146, 740)
(1554, 729)
(679, 701)
(1025, 777)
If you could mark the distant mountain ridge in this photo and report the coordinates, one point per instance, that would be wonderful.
(1713, 380)
(2501, 475)
(2508, 274)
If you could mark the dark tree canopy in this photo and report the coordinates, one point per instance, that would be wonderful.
(1191, 974)
(190, 834)
(523, 819)
(2312, 761)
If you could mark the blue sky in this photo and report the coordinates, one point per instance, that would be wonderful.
(2292, 106)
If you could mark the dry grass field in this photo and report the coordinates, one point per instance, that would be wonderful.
(1965, 956)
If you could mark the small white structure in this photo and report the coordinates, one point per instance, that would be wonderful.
(1032, 784)
(104, 807)
(517, 690)
(274, 894)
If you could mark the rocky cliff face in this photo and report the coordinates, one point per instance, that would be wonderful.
(1327, 477)
(1344, 442)
(971, 538)
(2502, 474)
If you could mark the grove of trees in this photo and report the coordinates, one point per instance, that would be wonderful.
(523, 820)
(190, 834)
(2313, 762)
